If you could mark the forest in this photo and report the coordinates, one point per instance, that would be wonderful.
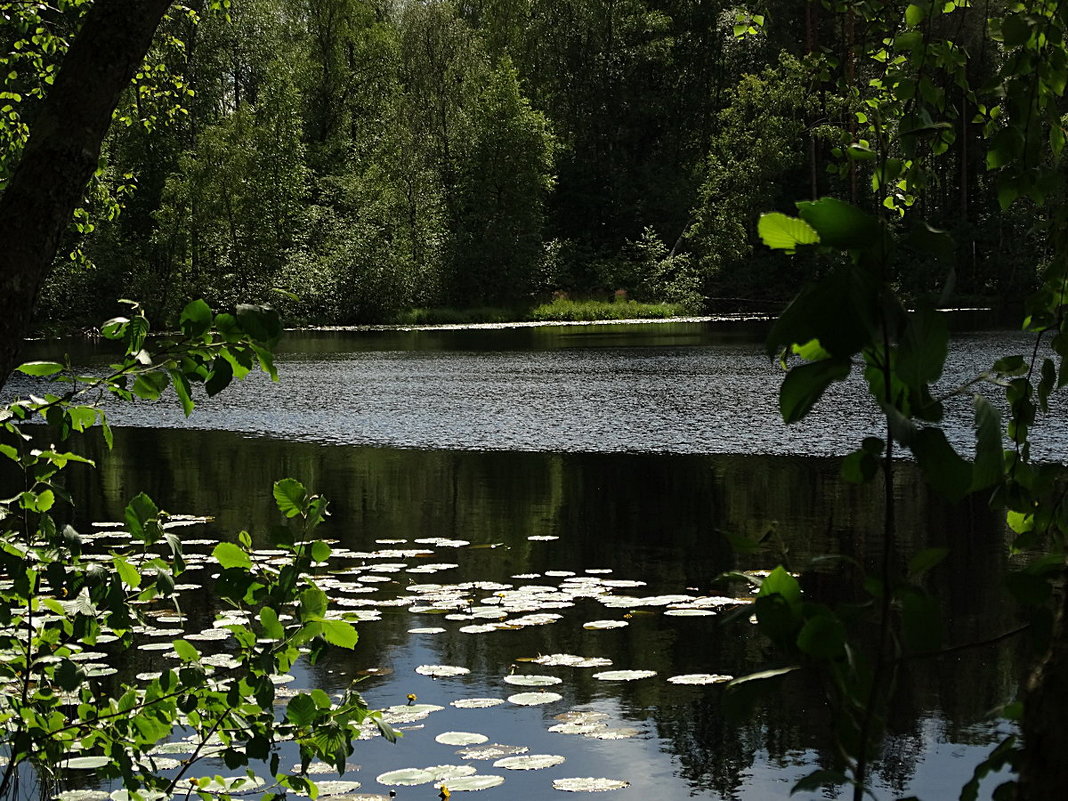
(351, 161)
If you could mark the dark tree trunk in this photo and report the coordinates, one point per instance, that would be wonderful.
(62, 153)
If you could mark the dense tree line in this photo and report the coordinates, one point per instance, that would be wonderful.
(353, 158)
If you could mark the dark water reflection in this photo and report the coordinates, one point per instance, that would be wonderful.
(654, 517)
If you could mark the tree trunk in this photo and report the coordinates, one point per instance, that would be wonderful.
(62, 153)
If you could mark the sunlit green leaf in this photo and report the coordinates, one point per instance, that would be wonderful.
(230, 555)
(780, 232)
(40, 368)
(340, 633)
(290, 496)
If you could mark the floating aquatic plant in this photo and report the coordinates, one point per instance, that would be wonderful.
(589, 785)
(461, 738)
(534, 699)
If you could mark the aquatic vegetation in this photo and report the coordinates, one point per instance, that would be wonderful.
(589, 785)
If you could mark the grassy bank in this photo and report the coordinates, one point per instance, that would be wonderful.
(557, 310)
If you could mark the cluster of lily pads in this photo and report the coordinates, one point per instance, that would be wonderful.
(364, 583)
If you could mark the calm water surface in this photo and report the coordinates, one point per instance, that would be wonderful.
(638, 449)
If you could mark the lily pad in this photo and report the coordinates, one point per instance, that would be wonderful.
(596, 625)
(442, 671)
(492, 751)
(581, 716)
(470, 783)
(479, 628)
(622, 733)
(444, 773)
(689, 612)
(406, 777)
(577, 728)
(534, 699)
(571, 660)
(522, 680)
(476, 703)
(529, 762)
(589, 785)
(408, 714)
(700, 678)
(461, 738)
(86, 762)
(427, 630)
(336, 787)
(624, 675)
(321, 768)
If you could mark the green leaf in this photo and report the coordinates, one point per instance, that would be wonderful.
(69, 676)
(138, 513)
(806, 383)
(127, 572)
(923, 349)
(914, 15)
(229, 555)
(135, 332)
(291, 496)
(37, 501)
(340, 633)
(182, 390)
(195, 319)
(841, 311)
(1015, 30)
(114, 328)
(272, 628)
(780, 582)
(261, 323)
(149, 386)
(840, 224)
(860, 466)
(780, 232)
(1011, 365)
(989, 466)
(944, 469)
(301, 710)
(313, 603)
(1006, 147)
(40, 368)
(82, 417)
(222, 373)
(186, 651)
(320, 551)
(1020, 522)
(811, 351)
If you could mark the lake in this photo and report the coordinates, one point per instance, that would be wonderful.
(590, 473)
